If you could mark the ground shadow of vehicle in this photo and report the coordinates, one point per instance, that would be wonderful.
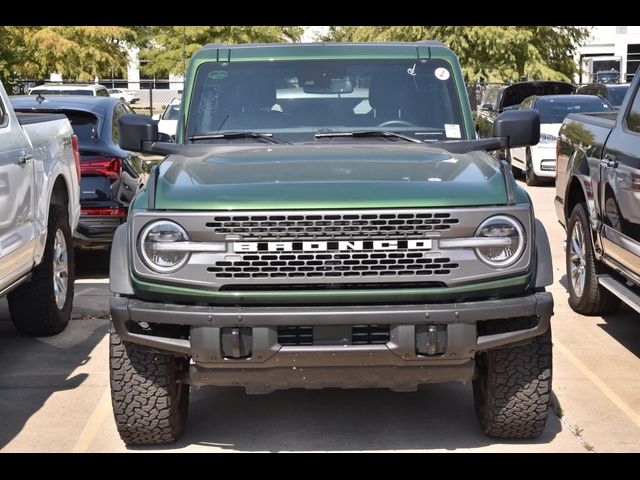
(435, 417)
(33, 369)
(622, 325)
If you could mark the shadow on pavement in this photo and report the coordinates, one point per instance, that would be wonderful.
(33, 369)
(92, 263)
(435, 417)
(623, 325)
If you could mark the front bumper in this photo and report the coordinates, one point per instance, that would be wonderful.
(395, 364)
(543, 157)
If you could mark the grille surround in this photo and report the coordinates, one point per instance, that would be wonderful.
(195, 273)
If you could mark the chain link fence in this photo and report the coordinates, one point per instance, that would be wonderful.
(149, 96)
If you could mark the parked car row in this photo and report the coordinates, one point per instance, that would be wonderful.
(554, 101)
(89, 90)
(110, 176)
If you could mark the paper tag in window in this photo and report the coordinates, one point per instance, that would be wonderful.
(452, 130)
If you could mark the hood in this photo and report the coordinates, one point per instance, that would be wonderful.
(327, 176)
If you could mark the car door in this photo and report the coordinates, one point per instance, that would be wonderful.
(620, 190)
(518, 155)
(487, 111)
(17, 235)
(131, 162)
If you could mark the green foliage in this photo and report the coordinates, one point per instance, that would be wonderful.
(163, 51)
(76, 52)
(488, 53)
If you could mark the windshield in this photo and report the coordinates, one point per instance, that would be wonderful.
(47, 91)
(615, 95)
(607, 77)
(311, 96)
(85, 125)
(555, 110)
(171, 113)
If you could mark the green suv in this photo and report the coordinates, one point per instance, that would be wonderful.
(326, 218)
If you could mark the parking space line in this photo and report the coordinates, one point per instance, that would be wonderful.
(91, 280)
(603, 387)
(96, 419)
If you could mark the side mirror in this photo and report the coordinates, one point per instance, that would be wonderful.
(137, 133)
(165, 137)
(155, 117)
(487, 107)
(519, 128)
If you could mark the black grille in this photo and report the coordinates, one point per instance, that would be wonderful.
(360, 335)
(333, 264)
(369, 334)
(295, 336)
(328, 226)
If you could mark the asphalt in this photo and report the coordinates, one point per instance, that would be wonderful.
(54, 394)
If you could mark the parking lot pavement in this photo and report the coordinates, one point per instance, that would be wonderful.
(54, 391)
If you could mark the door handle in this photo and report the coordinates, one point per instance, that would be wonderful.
(24, 158)
(609, 161)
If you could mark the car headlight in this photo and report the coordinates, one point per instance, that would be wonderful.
(505, 227)
(151, 240)
(546, 138)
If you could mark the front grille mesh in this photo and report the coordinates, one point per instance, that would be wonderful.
(331, 226)
(333, 264)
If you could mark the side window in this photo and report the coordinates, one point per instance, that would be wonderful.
(102, 93)
(117, 113)
(3, 115)
(633, 120)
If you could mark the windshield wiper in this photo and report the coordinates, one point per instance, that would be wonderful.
(367, 133)
(231, 135)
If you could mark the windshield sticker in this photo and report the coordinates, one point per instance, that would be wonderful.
(217, 74)
(452, 130)
(442, 73)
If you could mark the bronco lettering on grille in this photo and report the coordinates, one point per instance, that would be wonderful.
(241, 247)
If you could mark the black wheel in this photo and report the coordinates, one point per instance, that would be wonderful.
(530, 177)
(150, 406)
(42, 306)
(512, 389)
(586, 295)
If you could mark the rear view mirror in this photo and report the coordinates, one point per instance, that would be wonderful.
(334, 86)
(519, 128)
(137, 133)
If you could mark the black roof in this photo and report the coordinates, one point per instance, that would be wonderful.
(433, 43)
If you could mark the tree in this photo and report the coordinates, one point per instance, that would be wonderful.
(164, 50)
(80, 53)
(489, 53)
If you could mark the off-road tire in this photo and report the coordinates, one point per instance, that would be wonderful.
(512, 389)
(33, 306)
(594, 299)
(149, 405)
(530, 177)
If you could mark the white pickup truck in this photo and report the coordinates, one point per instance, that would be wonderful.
(39, 210)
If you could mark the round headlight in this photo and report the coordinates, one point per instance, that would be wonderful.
(159, 233)
(496, 227)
